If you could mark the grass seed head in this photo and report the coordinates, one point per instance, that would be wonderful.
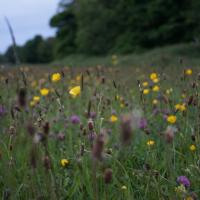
(22, 97)
(126, 129)
(97, 150)
(108, 176)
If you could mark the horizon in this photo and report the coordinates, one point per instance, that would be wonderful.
(38, 14)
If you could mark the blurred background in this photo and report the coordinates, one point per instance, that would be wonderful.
(50, 30)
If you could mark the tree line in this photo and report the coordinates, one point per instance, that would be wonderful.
(36, 50)
(97, 27)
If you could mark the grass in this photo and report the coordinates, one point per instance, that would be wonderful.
(107, 141)
(163, 56)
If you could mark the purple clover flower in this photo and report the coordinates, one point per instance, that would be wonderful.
(75, 119)
(143, 123)
(184, 181)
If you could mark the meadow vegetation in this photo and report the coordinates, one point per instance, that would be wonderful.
(101, 132)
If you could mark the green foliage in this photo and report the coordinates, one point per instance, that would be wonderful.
(1, 58)
(31, 48)
(65, 37)
(45, 50)
(96, 27)
(36, 50)
(9, 54)
(37, 137)
(100, 27)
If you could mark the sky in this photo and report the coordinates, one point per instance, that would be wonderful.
(27, 18)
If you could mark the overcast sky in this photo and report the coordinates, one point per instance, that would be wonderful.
(27, 17)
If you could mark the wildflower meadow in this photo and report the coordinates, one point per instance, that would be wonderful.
(99, 133)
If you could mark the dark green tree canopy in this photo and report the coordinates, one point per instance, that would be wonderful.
(36, 50)
(102, 26)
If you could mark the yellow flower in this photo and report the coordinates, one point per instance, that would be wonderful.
(150, 142)
(44, 91)
(177, 106)
(168, 91)
(155, 102)
(36, 99)
(55, 77)
(32, 103)
(156, 80)
(180, 189)
(145, 84)
(192, 147)
(124, 187)
(156, 88)
(64, 162)
(122, 105)
(171, 119)
(78, 77)
(188, 72)
(75, 91)
(34, 84)
(117, 97)
(113, 118)
(114, 60)
(180, 107)
(153, 76)
(183, 96)
(146, 91)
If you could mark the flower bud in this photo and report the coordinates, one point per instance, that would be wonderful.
(108, 176)
(90, 125)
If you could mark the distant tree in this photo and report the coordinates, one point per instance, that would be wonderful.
(102, 26)
(46, 50)
(97, 26)
(36, 50)
(31, 49)
(9, 54)
(65, 22)
(193, 20)
(2, 58)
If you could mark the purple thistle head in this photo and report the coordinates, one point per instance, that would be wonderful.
(75, 119)
(143, 123)
(184, 181)
(93, 115)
